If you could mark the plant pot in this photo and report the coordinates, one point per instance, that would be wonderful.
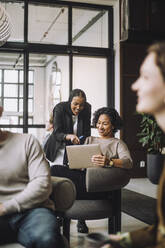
(154, 167)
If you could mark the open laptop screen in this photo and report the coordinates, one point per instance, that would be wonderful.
(79, 156)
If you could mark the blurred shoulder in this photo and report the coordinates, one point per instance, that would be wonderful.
(24, 138)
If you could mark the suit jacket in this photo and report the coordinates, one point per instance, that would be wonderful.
(63, 125)
(153, 236)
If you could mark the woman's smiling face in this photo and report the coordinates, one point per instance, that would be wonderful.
(104, 126)
(150, 87)
(77, 104)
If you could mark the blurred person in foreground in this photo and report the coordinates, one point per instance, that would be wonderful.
(150, 88)
(27, 214)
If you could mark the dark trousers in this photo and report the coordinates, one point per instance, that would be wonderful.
(78, 177)
(36, 227)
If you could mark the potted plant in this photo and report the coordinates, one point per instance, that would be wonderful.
(153, 139)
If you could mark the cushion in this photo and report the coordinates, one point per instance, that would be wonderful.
(64, 193)
(106, 179)
(90, 209)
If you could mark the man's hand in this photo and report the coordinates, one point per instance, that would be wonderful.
(2, 210)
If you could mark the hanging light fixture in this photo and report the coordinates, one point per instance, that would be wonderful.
(5, 26)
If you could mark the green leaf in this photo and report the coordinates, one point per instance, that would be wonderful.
(150, 135)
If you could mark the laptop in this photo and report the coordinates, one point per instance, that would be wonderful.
(79, 156)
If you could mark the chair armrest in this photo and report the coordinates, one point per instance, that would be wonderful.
(106, 179)
(63, 194)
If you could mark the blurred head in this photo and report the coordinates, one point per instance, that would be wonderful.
(107, 121)
(150, 86)
(77, 101)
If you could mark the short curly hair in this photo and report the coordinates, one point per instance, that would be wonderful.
(114, 117)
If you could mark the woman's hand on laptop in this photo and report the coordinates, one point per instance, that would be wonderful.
(73, 138)
(99, 160)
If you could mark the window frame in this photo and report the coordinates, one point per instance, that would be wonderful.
(26, 48)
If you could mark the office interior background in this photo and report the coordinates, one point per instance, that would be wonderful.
(94, 45)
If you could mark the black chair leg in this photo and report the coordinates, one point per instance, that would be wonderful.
(66, 228)
(114, 224)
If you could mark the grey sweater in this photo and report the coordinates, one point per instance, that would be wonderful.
(24, 174)
(113, 148)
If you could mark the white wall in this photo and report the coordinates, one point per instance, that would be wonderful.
(89, 74)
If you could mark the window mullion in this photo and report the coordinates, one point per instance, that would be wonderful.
(25, 93)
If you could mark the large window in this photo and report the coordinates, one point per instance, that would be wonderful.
(11, 94)
(54, 48)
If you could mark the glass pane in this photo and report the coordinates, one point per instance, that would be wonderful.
(30, 105)
(10, 90)
(9, 119)
(21, 120)
(21, 90)
(48, 24)
(4, 120)
(10, 76)
(14, 120)
(89, 74)
(21, 76)
(30, 120)
(10, 66)
(21, 105)
(31, 88)
(0, 75)
(31, 77)
(90, 28)
(16, 13)
(46, 95)
(11, 105)
(21, 79)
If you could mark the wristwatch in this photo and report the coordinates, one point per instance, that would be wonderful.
(111, 163)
